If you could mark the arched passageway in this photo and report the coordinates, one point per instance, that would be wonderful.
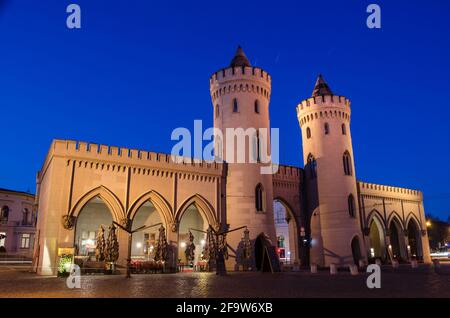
(191, 220)
(144, 242)
(356, 250)
(377, 242)
(259, 250)
(94, 214)
(286, 232)
(397, 247)
(414, 240)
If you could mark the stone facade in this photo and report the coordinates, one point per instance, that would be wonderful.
(17, 222)
(229, 195)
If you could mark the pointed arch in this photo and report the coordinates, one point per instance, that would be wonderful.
(286, 204)
(395, 216)
(162, 206)
(376, 226)
(107, 196)
(412, 217)
(203, 206)
(397, 232)
(293, 228)
(414, 235)
(374, 214)
(355, 245)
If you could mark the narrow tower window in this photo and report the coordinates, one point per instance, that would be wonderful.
(327, 128)
(217, 110)
(257, 106)
(351, 205)
(259, 198)
(347, 162)
(312, 166)
(308, 132)
(235, 105)
(256, 147)
(344, 129)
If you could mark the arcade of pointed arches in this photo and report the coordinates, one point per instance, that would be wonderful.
(394, 238)
(100, 207)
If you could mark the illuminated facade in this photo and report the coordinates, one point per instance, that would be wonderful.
(17, 222)
(329, 216)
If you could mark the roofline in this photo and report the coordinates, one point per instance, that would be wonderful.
(17, 192)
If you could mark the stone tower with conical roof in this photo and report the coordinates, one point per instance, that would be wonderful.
(335, 232)
(240, 96)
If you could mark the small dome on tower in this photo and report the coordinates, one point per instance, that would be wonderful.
(321, 88)
(240, 59)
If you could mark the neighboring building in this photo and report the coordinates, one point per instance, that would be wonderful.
(17, 222)
(438, 233)
(329, 216)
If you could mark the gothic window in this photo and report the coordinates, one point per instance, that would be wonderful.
(312, 166)
(308, 132)
(257, 106)
(347, 161)
(344, 129)
(235, 105)
(327, 129)
(217, 110)
(259, 198)
(351, 205)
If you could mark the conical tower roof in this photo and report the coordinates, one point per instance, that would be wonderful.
(240, 59)
(321, 88)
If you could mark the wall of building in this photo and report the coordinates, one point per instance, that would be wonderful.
(19, 230)
(74, 173)
(387, 204)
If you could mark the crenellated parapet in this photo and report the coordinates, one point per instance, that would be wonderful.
(378, 190)
(288, 176)
(240, 79)
(326, 106)
(112, 158)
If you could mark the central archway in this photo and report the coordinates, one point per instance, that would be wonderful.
(144, 242)
(191, 222)
(286, 231)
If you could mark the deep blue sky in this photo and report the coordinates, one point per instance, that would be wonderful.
(138, 69)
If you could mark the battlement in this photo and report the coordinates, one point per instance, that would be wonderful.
(313, 103)
(240, 79)
(78, 150)
(288, 173)
(389, 191)
(240, 72)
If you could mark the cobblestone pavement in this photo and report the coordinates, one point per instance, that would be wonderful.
(403, 282)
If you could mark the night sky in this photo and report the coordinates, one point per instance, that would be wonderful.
(138, 69)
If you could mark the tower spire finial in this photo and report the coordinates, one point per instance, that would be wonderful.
(240, 59)
(321, 87)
